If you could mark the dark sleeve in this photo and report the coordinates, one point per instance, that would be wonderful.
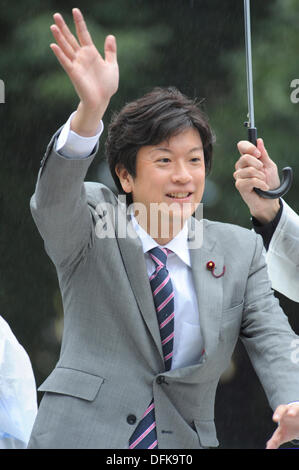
(267, 230)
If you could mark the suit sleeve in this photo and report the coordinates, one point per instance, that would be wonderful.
(268, 337)
(267, 230)
(59, 205)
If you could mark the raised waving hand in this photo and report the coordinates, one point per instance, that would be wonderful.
(94, 78)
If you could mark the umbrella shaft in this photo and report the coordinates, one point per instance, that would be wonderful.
(249, 62)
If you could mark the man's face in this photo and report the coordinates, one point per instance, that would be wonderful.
(169, 176)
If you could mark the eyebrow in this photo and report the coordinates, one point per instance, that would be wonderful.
(163, 149)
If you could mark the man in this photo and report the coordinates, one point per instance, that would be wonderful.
(151, 316)
(272, 218)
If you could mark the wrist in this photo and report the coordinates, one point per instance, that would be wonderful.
(267, 214)
(87, 117)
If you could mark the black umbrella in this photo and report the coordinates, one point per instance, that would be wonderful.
(287, 172)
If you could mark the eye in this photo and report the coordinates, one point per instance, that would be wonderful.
(164, 160)
(196, 159)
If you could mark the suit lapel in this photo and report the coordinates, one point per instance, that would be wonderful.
(133, 258)
(209, 289)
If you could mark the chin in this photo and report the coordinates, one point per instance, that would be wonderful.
(182, 213)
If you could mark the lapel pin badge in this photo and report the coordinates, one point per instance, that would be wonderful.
(211, 267)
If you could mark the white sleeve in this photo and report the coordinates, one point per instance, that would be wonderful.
(283, 254)
(72, 145)
(18, 398)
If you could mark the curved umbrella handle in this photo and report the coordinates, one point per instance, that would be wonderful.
(287, 174)
(286, 183)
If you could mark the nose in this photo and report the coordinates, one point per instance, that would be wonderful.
(181, 174)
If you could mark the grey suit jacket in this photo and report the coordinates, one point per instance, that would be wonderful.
(111, 361)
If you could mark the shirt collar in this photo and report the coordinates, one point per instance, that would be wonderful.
(178, 245)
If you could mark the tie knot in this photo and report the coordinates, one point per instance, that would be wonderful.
(159, 255)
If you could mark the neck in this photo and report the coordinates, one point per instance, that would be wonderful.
(161, 227)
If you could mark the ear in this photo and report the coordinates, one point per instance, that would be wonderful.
(126, 180)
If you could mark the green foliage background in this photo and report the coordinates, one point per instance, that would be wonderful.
(195, 45)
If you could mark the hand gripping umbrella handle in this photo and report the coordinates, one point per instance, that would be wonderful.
(286, 179)
(286, 183)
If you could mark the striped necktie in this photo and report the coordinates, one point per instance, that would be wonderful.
(145, 435)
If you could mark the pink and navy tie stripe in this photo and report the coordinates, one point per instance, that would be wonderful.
(164, 302)
(145, 435)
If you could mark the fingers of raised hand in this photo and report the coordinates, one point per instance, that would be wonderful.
(67, 45)
(65, 32)
(65, 39)
(62, 42)
(65, 62)
(110, 49)
(81, 28)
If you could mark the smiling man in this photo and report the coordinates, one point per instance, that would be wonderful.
(150, 321)
(165, 175)
(170, 180)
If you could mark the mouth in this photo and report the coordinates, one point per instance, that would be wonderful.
(182, 197)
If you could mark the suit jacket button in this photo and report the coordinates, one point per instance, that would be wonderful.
(160, 379)
(131, 419)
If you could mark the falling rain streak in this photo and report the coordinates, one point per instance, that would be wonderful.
(2, 91)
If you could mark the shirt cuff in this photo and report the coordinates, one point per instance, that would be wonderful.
(267, 230)
(72, 145)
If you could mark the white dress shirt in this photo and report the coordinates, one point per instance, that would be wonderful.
(72, 145)
(188, 343)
